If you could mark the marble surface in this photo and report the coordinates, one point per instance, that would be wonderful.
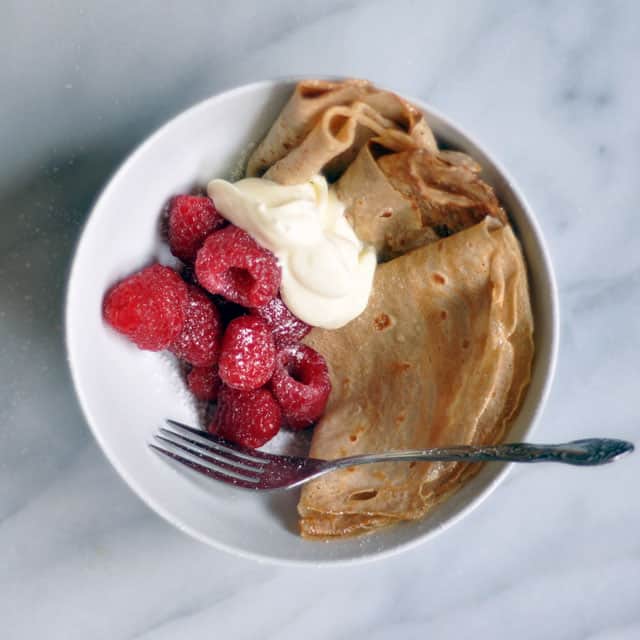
(551, 90)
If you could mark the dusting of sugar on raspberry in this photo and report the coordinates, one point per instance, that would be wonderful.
(249, 418)
(232, 264)
(301, 384)
(286, 327)
(247, 355)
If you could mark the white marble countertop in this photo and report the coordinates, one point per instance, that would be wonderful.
(553, 92)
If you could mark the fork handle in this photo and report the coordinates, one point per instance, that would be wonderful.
(592, 451)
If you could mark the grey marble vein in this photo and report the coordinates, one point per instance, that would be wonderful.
(551, 88)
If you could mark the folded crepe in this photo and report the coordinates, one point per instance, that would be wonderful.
(325, 124)
(401, 200)
(441, 356)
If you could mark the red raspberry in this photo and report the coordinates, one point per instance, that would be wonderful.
(191, 220)
(249, 418)
(287, 328)
(248, 355)
(232, 264)
(199, 340)
(204, 382)
(148, 307)
(301, 385)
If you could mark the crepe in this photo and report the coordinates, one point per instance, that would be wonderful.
(443, 352)
(441, 355)
(325, 124)
(401, 200)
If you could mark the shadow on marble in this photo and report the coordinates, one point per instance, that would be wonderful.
(40, 220)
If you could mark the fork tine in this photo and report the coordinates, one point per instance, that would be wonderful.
(216, 451)
(236, 449)
(220, 465)
(211, 473)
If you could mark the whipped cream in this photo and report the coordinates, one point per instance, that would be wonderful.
(327, 273)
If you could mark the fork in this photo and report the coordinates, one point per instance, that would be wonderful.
(222, 460)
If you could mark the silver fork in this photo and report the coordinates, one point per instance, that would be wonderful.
(217, 458)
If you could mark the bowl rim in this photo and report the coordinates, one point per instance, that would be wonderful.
(546, 274)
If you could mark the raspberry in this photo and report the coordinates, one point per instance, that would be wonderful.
(204, 382)
(191, 220)
(199, 340)
(287, 329)
(232, 264)
(249, 418)
(148, 307)
(248, 354)
(301, 385)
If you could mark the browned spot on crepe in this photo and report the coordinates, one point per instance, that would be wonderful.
(382, 322)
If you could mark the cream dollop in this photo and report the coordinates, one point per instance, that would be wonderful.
(327, 273)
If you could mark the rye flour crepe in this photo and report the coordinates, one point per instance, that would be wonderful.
(324, 124)
(398, 201)
(440, 356)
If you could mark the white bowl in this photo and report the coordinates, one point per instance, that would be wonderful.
(126, 394)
